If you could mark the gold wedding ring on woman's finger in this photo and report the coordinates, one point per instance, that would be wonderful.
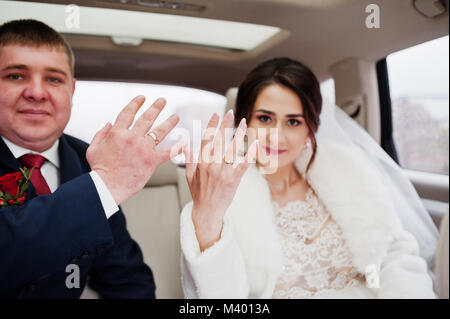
(153, 135)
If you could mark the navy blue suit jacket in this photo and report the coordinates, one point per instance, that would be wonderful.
(40, 238)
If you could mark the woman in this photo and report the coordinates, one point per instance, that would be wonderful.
(310, 220)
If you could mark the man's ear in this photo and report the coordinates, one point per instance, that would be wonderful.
(73, 86)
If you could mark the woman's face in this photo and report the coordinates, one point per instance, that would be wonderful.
(278, 123)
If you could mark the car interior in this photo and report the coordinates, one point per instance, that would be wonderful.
(171, 43)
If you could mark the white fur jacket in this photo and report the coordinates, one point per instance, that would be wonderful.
(246, 261)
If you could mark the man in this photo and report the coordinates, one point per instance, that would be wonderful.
(69, 215)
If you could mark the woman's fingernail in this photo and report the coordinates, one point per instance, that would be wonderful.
(243, 123)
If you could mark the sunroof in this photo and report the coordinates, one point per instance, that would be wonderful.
(141, 25)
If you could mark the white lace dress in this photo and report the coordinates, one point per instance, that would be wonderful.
(316, 258)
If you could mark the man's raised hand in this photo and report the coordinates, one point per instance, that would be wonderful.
(124, 156)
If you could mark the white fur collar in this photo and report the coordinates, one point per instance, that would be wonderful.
(352, 193)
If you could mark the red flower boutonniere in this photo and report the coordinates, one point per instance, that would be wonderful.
(13, 187)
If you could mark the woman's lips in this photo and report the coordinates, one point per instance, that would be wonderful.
(274, 152)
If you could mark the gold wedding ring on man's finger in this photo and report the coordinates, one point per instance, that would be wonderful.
(228, 162)
(153, 136)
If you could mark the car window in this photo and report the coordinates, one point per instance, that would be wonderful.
(96, 102)
(418, 81)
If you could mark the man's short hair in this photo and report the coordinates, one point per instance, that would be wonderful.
(35, 33)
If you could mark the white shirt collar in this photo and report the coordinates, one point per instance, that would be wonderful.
(50, 155)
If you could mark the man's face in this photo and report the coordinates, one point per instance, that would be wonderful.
(36, 88)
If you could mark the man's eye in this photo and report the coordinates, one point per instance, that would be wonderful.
(14, 76)
(54, 80)
(264, 118)
(293, 122)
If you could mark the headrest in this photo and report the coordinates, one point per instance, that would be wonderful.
(231, 96)
(165, 174)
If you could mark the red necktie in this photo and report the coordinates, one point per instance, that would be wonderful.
(36, 161)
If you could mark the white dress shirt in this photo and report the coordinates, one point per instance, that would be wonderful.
(50, 171)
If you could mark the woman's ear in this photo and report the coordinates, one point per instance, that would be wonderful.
(307, 143)
(305, 156)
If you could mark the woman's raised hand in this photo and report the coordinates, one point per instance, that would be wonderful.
(214, 179)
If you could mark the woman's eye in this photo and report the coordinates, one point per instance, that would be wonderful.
(293, 122)
(264, 118)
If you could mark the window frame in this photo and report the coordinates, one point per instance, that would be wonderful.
(387, 139)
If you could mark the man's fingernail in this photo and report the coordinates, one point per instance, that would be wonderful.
(229, 115)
